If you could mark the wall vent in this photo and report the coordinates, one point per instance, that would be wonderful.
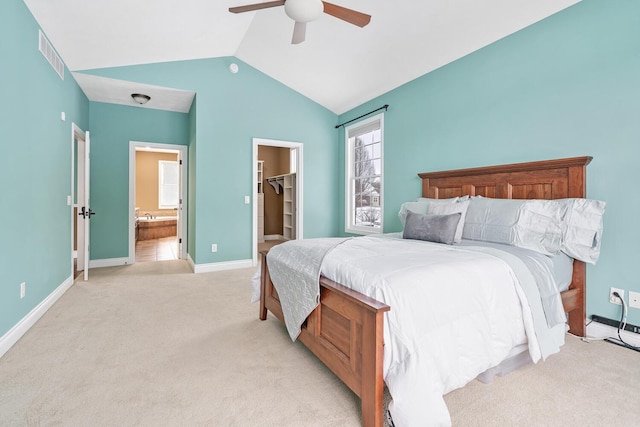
(49, 52)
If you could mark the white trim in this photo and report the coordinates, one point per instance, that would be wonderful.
(221, 266)
(192, 265)
(598, 330)
(353, 229)
(19, 329)
(274, 237)
(299, 187)
(182, 151)
(108, 262)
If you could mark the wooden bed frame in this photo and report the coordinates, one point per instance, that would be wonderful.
(345, 331)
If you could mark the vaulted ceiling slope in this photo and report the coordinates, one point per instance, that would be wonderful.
(340, 66)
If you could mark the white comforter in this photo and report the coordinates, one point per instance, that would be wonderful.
(455, 313)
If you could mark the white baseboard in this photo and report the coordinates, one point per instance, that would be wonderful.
(108, 262)
(19, 329)
(220, 266)
(192, 265)
(274, 237)
(598, 330)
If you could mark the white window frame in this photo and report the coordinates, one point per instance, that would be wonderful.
(161, 164)
(350, 227)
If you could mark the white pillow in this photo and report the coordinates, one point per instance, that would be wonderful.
(420, 206)
(583, 229)
(530, 224)
(460, 207)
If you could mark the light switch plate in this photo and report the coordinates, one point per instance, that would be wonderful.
(634, 299)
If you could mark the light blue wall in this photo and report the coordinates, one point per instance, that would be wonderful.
(35, 175)
(230, 110)
(566, 86)
(112, 128)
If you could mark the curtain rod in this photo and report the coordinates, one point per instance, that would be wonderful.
(385, 106)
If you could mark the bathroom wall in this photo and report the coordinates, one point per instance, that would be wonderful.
(147, 182)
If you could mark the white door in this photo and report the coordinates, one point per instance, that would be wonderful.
(179, 229)
(85, 211)
(79, 228)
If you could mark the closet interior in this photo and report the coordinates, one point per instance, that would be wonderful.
(276, 194)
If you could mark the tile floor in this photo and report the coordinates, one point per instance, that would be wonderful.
(162, 249)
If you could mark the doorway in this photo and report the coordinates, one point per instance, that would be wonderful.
(157, 205)
(79, 201)
(277, 168)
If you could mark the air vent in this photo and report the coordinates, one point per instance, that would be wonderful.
(49, 52)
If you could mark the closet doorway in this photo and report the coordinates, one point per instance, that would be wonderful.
(277, 193)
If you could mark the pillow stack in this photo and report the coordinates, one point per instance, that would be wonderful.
(573, 226)
(529, 224)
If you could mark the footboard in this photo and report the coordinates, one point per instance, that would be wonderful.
(345, 332)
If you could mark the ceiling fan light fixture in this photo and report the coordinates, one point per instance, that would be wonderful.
(140, 98)
(304, 10)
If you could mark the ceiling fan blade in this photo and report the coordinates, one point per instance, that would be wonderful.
(256, 6)
(299, 31)
(351, 16)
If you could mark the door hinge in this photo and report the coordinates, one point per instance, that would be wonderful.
(179, 240)
(180, 161)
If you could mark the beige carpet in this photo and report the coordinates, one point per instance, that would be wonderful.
(155, 345)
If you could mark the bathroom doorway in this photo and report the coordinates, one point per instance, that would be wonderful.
(157, 209)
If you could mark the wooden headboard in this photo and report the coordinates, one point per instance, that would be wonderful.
(547, 179)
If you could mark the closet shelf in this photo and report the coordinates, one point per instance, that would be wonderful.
(277, 181)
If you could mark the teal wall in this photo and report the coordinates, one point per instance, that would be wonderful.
(230, 110)
(566, 86)
(35, 175)
(112, 128)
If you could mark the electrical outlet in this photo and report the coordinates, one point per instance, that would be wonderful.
(616, 300)
(214, 247)
(634, 299)
(23, 289)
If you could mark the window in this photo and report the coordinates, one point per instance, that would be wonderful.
(364, 204)
(168, 184)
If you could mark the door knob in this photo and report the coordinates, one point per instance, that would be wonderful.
(86, 213)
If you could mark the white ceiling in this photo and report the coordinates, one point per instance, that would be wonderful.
(340, 66)
(103, 89)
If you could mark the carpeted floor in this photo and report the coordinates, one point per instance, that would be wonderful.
(154, 345)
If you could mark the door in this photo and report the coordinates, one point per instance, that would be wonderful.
(78, 202)
(179, 228)
(84, 212)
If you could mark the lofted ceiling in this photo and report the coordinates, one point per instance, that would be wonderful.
(339, 66)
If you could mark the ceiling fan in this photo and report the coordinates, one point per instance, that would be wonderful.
(303, 11)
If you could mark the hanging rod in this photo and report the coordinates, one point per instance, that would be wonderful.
(384, 107)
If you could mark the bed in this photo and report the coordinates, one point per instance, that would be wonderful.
(346, 329)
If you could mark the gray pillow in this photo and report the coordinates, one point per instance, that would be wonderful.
(432, 228)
